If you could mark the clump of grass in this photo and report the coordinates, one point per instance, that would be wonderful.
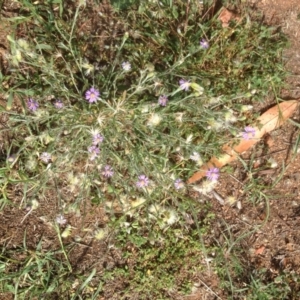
(123, 121)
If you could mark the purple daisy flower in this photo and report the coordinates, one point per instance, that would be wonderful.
(143, 181)
(97, 139)
(126, 66)
(184, 84)
(107, 171)
(178, 184)
(92, 95)
(45, 157)
(61, 220)
(58, 104)
(32, 104)
(163, 100)
(248, 132)
(213, 174)
(204, 44)
(94, 150)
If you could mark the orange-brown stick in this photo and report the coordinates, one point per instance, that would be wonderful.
(270, 120)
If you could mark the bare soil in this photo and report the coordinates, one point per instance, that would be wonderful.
(269, 226)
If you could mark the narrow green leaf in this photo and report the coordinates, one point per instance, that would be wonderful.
(43, 47)
(10, 101)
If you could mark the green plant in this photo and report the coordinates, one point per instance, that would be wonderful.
(117, 106)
